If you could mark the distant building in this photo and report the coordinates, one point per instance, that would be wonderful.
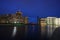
(16, 18)
(50, 25)
(26, 20)
(43, 26)
(57, 22)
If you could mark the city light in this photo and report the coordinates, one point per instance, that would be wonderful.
(48, 24)
(57, 22)
(15, 22)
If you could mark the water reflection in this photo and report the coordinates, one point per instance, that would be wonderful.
(25, 32)
(14, 31)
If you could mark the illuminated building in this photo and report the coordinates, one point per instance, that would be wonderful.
(17, 18)
(25, 20)
(14, 18)
(3, 19)
(50, 25)
(57, 22)
(43, 26)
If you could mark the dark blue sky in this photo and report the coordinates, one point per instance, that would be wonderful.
(31, 8)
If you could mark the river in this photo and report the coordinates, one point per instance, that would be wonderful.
(26, 32)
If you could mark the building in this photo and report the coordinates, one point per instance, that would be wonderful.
(26, 20)
(14, 18)
(18, 18)
(43, 26)
(57, 22)
(50, 25)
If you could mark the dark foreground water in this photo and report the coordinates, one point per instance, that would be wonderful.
(21, 32)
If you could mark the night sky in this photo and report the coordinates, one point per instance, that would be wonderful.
(31, 8)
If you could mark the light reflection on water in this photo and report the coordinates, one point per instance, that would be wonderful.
(14, 31)
(20, 31)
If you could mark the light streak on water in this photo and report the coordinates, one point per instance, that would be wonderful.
(14, 31)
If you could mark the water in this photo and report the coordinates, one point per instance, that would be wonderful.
(26, 32)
